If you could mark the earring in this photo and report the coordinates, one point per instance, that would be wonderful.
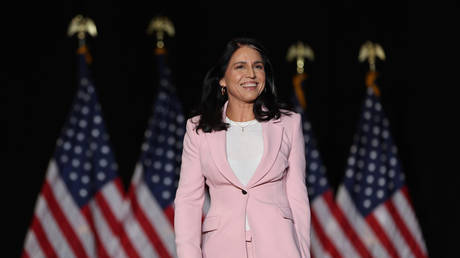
(222, 90)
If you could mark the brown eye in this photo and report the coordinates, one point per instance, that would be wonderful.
(261, 67)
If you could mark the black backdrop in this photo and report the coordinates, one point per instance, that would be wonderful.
(42, 89)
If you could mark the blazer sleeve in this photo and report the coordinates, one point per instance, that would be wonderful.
(296, 187)
(188, 203)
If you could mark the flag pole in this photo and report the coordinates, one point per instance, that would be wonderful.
(371, 51)
(81, 25)
(299, 52)
(160, 26)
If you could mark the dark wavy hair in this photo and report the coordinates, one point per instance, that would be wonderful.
(212, 100)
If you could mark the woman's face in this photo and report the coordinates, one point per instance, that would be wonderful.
(245, 76)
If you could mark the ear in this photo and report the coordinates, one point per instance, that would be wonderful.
(222, 83)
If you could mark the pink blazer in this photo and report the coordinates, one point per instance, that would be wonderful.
(275, 199)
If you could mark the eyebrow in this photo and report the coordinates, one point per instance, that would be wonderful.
(244, 62)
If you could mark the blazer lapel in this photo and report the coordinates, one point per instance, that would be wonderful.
(217, 145)
(272, 134)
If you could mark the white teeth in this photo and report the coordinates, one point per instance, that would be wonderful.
(249, 85)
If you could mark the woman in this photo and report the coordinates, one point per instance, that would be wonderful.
(250, 153)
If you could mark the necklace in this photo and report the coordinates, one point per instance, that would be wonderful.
(242, 125)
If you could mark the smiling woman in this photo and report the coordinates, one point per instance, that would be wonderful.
(243, 76)
(244, 80)
(250, 153)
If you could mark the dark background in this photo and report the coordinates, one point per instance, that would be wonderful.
(43, 82)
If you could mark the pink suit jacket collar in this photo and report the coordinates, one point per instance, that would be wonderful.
(272, 135)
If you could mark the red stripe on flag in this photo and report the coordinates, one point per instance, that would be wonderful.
(169, 213)
(42, 239)
(62, 221)
(115, 225)
(345, 225)
(100, 249)
(25, 254)
(126, 241)
(405, 192)
(119, 187)
(382, 236)
(325, 241)
(148, 228)
(417, 251)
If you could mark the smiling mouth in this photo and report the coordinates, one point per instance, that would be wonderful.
(249, 84)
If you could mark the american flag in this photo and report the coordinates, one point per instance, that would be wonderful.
(153, 187)
(331, 234)
(80, 205)
(373, 195)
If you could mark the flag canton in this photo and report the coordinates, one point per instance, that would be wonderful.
(162, 147)
(83, 155)
(373, 171)
(317, 182)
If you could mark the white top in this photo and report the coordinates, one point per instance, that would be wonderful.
(244, 149)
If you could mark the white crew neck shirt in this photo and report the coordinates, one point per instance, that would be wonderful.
(244, 149)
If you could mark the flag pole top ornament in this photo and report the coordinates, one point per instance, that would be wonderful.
(369, 51)
(161, 25)
(299, 51)
(81, 25)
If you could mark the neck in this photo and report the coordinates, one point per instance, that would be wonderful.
(240, 112)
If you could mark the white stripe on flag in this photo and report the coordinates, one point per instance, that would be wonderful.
(332, 229)
(359, 224)
(52, 230)
(138, 238)
(73, 214)
(110, 241)
(117, 204)
(115, 200)
(383, 216)
(316, 246)
(133, 229)
(32, 247)
(137, 177)
(408, 216)
(156, 217)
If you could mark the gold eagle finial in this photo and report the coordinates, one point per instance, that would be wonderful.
(80, 25)
(161, 25)
(370, 51)
(299, 51)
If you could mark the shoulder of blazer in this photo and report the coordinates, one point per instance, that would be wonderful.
(290, 120)
(290, 123)
(192, 124)
(194, 120)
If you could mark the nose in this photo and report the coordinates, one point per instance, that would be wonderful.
(251, 73)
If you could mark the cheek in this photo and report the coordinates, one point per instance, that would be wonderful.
(261, 75)
(234, 78)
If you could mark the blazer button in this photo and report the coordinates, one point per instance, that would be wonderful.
(244, 191)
